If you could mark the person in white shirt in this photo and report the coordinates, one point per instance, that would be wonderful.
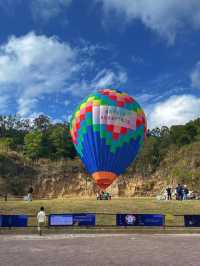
(41, 219)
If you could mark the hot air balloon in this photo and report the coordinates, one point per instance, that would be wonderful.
(108, 129)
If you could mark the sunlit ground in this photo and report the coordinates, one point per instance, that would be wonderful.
(116, 205)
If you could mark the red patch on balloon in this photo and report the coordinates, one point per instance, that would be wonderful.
(123, 130)
(115, 136)
(110, 128)
(120, 103)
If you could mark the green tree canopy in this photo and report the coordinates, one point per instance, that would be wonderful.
(33, 144)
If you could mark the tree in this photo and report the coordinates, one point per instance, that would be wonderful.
(164, 132)
(2, 126)
(148, 158)
(33, 144)
(155, 132)
(191, 130)
(42, 123)
(60, 143)
(177, 133)
(183, 140)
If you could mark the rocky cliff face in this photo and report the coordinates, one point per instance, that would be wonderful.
(67, 177)
(82, 185)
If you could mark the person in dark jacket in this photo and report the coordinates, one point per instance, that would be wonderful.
(169, 193)
(179, 192)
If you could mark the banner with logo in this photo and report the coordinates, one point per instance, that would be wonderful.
(192, 220)
(140, 220)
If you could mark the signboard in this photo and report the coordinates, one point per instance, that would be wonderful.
(87, 219)
(19, 221)
(140, 220)
(81, 219)
(192, 220)
(6, 221)
(60, 219)
(1, 220)
(13, 221)
(113, 115)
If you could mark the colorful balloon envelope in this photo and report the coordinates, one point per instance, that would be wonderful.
(108, 129)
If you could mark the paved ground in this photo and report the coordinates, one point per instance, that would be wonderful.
(81, 250)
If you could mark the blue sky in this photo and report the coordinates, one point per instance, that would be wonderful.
(53, 53)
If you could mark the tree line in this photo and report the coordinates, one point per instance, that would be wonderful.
(40, 138)
(37, 138)
(161, 141)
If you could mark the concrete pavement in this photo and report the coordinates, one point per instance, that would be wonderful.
(100, 250)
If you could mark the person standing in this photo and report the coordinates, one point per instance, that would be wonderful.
(169, 193)
(185, 192)
(179, 192)
(41, 219)
(98, 196)
(6, 196)
(30, 191)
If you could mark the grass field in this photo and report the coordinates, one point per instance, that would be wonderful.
(104, 208)
(116, 205)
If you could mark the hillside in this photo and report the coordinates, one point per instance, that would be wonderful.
(67, 177)
(169, 156)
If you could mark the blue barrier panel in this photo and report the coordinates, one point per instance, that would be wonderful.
(192, 220)
(6, 221)
(19, 221)
(81, 219)
(140, 219)
(14, 221)
(60, 219)
(1, 220)
(85, 219)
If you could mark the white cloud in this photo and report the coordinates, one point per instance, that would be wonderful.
(195, 76)
(41, 10)
(104, 78)
(175, 110)
(47, 9)
(108, 77)
(31, 66)
(143, 98)
(166, 17)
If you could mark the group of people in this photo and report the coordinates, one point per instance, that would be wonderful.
(181, 192)
(103, 196)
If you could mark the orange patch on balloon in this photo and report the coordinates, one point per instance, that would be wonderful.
(104, 179)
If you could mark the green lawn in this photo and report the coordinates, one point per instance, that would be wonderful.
(116, 205)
